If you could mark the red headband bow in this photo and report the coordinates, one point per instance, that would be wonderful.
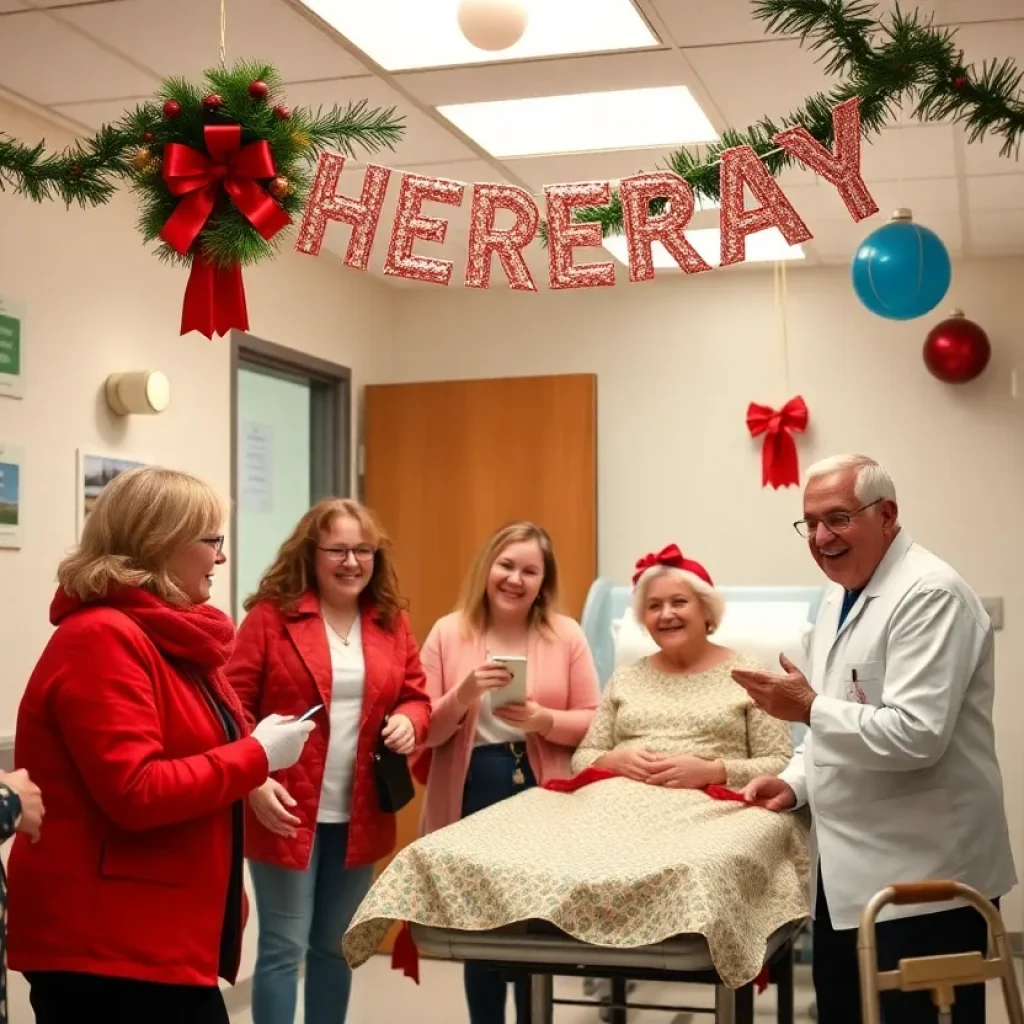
(673, 557)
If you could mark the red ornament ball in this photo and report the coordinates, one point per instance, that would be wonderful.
(259, 91)
(172, 108)
(957, 350)
(960, 81)
(148, 136)
(213, 101)
(282, 112)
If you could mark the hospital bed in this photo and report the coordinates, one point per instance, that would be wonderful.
(543, 952)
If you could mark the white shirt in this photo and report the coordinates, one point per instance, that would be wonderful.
(491, 730)
(348, 678)
(899, 766)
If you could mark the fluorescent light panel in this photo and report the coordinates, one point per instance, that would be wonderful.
(763, 247)
(401, 35)
(585, 122)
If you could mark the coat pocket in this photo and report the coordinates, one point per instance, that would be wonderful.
(143, 858)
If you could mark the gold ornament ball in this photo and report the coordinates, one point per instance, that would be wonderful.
(280, 187)
(142, 160)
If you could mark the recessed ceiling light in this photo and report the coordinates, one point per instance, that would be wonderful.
(763, 247)
(584, 123)
(400, 35)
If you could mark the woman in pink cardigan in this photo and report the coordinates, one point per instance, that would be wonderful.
(480, 756)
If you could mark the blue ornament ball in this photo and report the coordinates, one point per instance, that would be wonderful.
(902, 270)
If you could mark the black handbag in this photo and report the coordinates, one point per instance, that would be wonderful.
(394, 782)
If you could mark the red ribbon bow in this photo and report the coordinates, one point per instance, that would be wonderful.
(215, 296)
(673, 557)
(779, 464)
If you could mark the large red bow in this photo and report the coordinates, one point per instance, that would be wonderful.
(673, 557)
(215, 296)
(779, 464)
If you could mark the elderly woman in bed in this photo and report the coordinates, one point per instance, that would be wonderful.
(676, 718)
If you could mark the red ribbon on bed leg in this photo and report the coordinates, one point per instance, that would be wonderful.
(761, 981)
(722, 793)
(585, 778)
(405, 957)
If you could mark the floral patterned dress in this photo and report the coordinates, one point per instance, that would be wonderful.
(10, 812)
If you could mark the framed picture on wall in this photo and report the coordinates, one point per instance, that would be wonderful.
(12, 511)
(94, 473)
(12, 348)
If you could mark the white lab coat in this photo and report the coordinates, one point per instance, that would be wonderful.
(899, 765)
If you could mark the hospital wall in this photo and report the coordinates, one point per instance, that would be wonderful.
(678, 360)
(96, 302)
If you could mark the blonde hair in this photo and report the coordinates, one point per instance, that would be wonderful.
(139, 521)
(711, 601)
(473, 603)
(294, 569)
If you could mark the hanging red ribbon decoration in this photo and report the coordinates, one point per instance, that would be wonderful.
(215, 295)
(779, 464)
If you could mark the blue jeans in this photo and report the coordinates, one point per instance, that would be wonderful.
(489, 781)
(303, 916)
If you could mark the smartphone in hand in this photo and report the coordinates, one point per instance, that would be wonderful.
(516, 691)
(306, 715)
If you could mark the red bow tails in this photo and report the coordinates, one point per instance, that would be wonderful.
(215, 295)
(779, 464)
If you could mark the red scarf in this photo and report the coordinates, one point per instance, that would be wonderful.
(198, 636)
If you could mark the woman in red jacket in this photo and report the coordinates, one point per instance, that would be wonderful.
(326, 627)
(130, 905)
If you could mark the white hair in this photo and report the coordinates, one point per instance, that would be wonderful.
(710, 599)
(871, 484)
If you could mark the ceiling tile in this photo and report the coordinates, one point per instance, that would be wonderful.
(997, 192)
(709, 22)
(986, 40)
(983, 156)
(48, 62)
(93, 115)
(607, 166)
(978, 10)
(424, 140)
(182, 38)
(753, 80)
(554, 77)
(11, 5)
(915, 151)
(1002, 228)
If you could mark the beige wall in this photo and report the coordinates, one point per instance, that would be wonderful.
(96, 303)
(678, 361)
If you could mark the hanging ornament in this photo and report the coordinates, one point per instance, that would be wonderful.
(148, 136)
(259, 91)
(279, 187)
(492, 24)
(957, 350)
(172, 108)
(902, 270)
(281, 112)
(213, 102)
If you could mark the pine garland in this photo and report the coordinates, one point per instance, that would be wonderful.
(89, 172)
(885, 61)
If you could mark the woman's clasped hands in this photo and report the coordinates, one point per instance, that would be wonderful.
(673, 771)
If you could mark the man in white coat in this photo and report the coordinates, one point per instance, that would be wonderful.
(899, 765)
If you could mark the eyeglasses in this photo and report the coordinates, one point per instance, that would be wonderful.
(361, 553)
(834, 522)
(217, 543)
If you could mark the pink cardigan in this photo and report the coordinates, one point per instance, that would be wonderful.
(562, 677)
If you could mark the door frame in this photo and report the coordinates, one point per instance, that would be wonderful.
(336, 458)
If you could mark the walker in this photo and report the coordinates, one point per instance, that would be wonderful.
(938, 974)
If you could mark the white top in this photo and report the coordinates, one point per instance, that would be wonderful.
(900, 758)
(490, 730)
(347, 682)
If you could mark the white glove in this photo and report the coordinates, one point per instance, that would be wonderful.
(283, 739)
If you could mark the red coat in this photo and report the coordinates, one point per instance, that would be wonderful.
(282, 665)
(131, 875)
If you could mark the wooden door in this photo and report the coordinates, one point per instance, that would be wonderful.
(448, 462)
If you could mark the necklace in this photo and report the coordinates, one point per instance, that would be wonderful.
(343, 637)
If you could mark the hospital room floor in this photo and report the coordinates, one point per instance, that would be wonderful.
(380, 997)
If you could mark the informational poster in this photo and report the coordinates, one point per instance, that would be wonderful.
(12, 355)
(94, 473)
(12, 514)
(257, 458)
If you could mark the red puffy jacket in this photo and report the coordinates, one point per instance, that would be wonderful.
(118, 728)
(282, 665)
